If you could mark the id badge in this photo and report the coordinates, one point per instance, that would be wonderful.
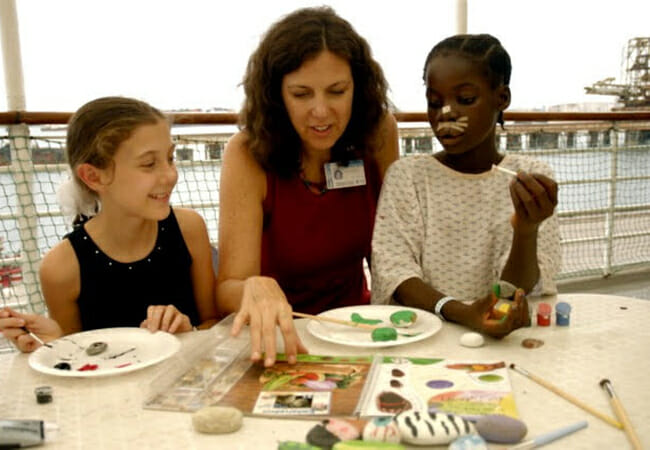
(339, 176)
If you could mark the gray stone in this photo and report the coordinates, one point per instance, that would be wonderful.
(501, 429)
(217, 419)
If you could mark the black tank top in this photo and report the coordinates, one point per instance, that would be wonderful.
(115, 294)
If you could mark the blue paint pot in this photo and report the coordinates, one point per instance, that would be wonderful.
(562, 314)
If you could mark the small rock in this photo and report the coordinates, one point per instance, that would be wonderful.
(383, 334)
(403, 318)
(352, 445)
(321, 437)
(96, 348)
(430, 428)
(471, 340)
(501, 429)
(469, 442)
(217, 419)
(343, 430)
(381, 429)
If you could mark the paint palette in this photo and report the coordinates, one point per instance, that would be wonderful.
(426, 325)
(128, 349)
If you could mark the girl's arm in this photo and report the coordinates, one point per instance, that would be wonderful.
(534, 197)
(259, 300)
(60, 282)
(196, 238)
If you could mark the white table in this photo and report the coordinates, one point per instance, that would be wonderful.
(603, 341)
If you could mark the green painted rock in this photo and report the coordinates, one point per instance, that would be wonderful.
(403, 318)
(384, 334)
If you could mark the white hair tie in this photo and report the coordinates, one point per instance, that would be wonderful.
(75, 201)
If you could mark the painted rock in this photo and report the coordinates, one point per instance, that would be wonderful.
(352, 445)
(342, 429)
(383, 334)
(392, 402)
(96, 348)
(430, 428)
(293, 445)
(501, 429)
(217, 419)
(469, 442)
(403, 318)
(381, 429)
(471, 340)
(321, 437)
(62, 366)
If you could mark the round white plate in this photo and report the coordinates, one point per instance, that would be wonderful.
(426, 325)
(128, 349)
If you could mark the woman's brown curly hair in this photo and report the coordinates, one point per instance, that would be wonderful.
(289, 42)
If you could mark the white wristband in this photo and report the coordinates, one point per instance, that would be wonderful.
(438, 308)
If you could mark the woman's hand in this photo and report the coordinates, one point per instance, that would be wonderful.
(482, 317)
(534, 197)
(166, 318)
(264, 306)
(13, 325)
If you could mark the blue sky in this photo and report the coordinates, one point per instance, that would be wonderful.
(192, 53)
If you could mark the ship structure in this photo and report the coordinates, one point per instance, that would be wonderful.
(634, 91)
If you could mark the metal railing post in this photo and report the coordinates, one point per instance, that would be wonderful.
(610, 224)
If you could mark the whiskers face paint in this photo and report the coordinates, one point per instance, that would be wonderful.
(458, 125)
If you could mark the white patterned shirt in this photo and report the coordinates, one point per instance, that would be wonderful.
(452, 230)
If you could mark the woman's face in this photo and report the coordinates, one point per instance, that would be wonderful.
(318, 98)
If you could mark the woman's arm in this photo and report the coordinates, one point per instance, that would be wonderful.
(241, 193)
(61, 284)
(259, 300)
(387, 144)
(196, 238)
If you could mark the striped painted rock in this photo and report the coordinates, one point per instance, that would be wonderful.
(431, 428)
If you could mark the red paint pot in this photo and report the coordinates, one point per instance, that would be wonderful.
(543, 315)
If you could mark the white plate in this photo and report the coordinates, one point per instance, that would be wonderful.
(128, 349)
(426, 324)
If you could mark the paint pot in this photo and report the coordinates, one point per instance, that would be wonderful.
(43, 394)
(543, 315)
(562, 314)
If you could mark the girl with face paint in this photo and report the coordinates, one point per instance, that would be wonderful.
(448, 226)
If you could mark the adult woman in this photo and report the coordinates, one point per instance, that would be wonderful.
(315, 102)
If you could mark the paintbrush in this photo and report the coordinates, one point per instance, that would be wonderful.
(620, 413)
(550, 436)
(36, 338)
(338, 321)
(567, 396)
(504, 170)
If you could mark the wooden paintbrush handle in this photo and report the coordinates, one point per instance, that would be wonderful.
(348, 323)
